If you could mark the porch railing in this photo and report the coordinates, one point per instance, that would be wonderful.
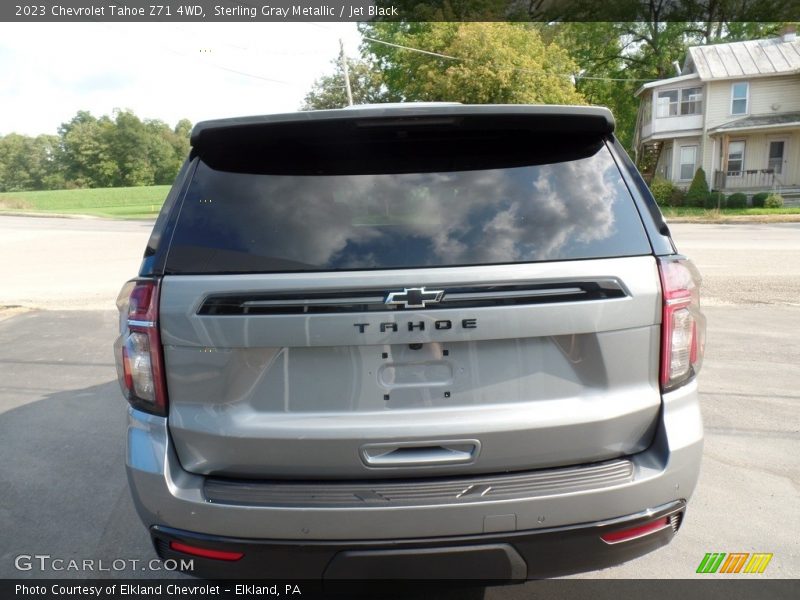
(745, 179)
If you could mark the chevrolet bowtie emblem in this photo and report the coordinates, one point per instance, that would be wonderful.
(414, 297)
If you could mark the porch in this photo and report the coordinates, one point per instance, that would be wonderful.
(756, 154)
(747, 179)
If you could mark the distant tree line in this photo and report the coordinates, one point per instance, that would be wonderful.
(109, 151)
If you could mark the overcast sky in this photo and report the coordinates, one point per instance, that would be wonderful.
(49, 71)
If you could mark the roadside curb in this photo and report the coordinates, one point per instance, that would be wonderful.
(15, 213)
(46, 215)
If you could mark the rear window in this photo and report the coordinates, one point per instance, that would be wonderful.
(560, 206)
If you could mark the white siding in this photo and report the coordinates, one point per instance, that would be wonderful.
(682, 123)
(781, 91)
(764, 92)
(677, 144)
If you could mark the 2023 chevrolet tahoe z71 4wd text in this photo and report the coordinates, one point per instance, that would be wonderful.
(411, 341)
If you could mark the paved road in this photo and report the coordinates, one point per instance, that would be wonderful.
(62, 485)
(745, 263)
(68, 263)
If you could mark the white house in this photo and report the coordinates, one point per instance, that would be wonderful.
(734, 109)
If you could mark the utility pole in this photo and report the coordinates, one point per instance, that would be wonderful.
(346, 74)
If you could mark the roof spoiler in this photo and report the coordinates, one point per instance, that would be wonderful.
(587, 120)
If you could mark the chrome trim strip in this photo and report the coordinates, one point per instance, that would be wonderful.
(670, 507)
(513, 294)
(136, 323)
(315, 302)
(356, 300)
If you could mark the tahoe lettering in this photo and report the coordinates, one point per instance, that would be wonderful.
(442, 324)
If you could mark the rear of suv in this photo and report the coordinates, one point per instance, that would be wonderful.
(442, 341)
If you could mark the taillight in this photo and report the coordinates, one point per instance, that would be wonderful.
(683, 325)
(140, 363)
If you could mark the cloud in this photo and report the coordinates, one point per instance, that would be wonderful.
(546, 212)
(101, 82)
(162, 71)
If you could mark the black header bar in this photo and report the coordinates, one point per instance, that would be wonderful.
(396, 10)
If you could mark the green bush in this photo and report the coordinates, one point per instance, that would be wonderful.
(773, 201)
(677, 197)
(695, 200)
(714, 200)
(662, 190)
(698, 189)
(758, 199)
(737, 200)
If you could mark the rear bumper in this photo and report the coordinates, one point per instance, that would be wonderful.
(486, 558)
(172, 502)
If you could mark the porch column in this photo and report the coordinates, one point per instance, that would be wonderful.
(723, 176)
(724, 161)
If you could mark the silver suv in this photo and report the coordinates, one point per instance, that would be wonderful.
(411, 341)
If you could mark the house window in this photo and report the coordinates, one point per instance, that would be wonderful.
(739, 96)
(735, 158)
(667, 105)
(692, 101)
(671, 103)
(688, 161)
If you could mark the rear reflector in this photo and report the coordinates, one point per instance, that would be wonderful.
(205, 552)
(632, 533)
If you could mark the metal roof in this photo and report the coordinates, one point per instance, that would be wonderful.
(666, 82)
(752, 58)
(788, 119)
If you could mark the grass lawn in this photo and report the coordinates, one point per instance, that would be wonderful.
(681, 211)
(121, 203)
(786, 214)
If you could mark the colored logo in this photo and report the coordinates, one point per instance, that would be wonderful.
(734, 562)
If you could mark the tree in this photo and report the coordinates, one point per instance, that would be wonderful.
(14, 173)
(88, 159)
(162, 151)
(95, 152)
(604, 77)
(471, 63)
(180, 138)
(698, 189)
(29, 163)
(329, 91)
(131, 144)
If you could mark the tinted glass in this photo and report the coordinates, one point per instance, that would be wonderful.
(234, 222)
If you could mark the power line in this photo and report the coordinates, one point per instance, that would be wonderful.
(214, 65)
(413, 49)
